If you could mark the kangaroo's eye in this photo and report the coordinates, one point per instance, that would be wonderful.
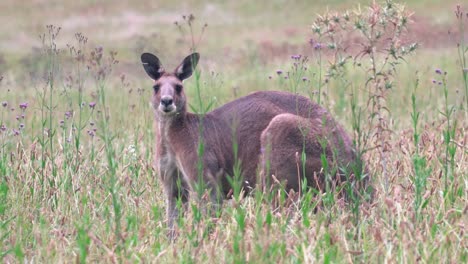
(156, 88)
(178, 88)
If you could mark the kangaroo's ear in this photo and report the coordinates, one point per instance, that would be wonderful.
(152, 65)
(186, 68)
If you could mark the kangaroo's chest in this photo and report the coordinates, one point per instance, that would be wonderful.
(176, 152)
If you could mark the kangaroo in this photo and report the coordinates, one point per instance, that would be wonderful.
(271, 129)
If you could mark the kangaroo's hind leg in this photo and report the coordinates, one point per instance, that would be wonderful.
(292, 152)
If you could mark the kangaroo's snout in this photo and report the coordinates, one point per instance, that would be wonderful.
(166, 101)
(166, 104)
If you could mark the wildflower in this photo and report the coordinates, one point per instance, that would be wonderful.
(3, 128)
(90, 133)
(68, 114)
(438, 71)
(4, 103)
(296, 57)
(21, 126)
(62, 122)
(91, 123)
(317, 46)
(304, 79)
(92, 105)
(22, 116)
(23, 106)
(434, 81)
(16, 132)
(279, 72)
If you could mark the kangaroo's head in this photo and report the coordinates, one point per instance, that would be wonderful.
(169, 97)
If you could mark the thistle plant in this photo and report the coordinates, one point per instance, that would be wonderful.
(378, 51)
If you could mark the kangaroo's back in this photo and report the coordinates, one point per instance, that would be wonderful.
(249, 116)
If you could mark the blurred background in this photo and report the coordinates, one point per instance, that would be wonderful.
(239, 34)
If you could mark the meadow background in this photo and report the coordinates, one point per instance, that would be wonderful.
(77, 182)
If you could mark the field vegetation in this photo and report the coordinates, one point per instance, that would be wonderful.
(77, 176)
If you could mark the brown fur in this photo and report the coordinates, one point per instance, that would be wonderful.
(267, 126)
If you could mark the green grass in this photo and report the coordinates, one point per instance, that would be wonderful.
(85, 189)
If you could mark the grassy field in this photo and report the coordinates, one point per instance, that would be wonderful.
(77, 180)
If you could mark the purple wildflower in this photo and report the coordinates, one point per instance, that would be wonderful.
(16, 132)
(296, 57)
(68, 114)
(4, 103)
(21, 126)
(438, 71)
(440, 83)
(434, 81)
(91, 133)
(3, 128)
(92, 105)
(23, 106)
(304, 79)
(317, 46)
(279, 72)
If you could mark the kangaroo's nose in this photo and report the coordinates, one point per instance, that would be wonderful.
(166, 101)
